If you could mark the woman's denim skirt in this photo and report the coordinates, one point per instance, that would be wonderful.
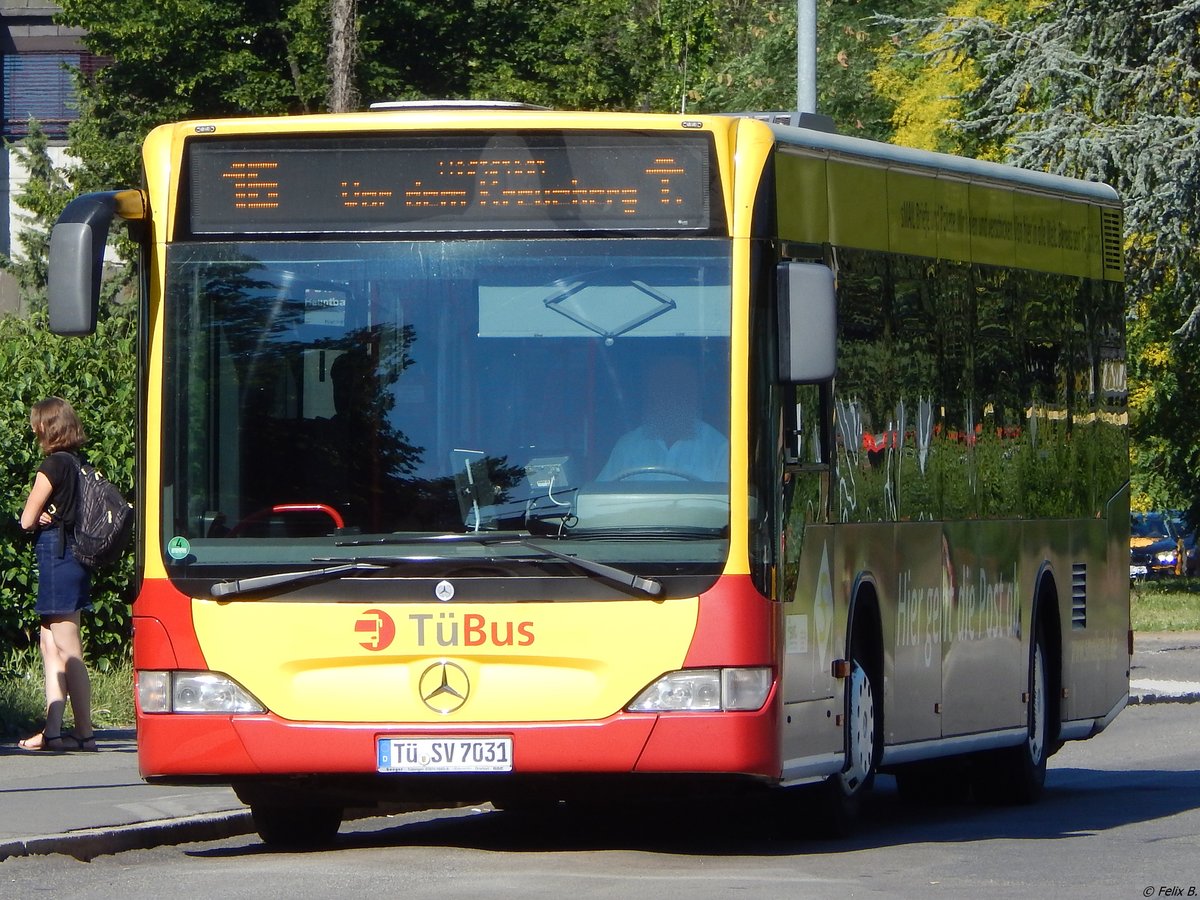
(64, 585)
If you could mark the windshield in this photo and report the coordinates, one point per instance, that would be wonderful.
(1150, 526)
(321, 394)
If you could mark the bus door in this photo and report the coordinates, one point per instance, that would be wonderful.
(806, 585)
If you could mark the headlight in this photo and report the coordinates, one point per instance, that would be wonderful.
(1166, 558)
(706, 690)
(193, 692)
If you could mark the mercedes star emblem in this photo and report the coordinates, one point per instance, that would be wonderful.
(444, 687)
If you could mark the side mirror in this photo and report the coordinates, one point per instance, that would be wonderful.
(77, 246)
(807, 311)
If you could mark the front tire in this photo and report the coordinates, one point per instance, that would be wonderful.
(841, 794)
(1018, 775)
(289, 827)
(860, 733)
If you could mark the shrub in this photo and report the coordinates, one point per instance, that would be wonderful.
(98, 375)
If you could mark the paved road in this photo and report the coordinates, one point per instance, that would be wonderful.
(1120, 818)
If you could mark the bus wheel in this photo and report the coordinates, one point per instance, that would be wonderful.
(860, 732)
(1018, 774)
(295, 827)
(842, 793)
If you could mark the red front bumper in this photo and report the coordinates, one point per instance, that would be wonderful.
(206, 746)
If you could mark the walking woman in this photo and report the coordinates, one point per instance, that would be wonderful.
(64, 585)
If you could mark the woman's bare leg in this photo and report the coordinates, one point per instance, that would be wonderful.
(54, 664)
(69, 643)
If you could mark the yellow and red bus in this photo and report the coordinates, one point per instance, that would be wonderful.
(490, 452)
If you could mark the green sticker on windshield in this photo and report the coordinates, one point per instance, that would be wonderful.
(178, 548)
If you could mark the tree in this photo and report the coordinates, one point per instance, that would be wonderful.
(343, 48)
(44, 195)
(927, 72)
(180, 59)
(177, 59)
(613, 54)
(753, 67)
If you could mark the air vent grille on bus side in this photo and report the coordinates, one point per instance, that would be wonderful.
(1110, 231)
(1079, 595)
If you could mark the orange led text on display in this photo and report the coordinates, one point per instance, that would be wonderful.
(250, 190)
(463, 182)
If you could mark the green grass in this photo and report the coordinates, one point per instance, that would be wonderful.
(1166, 604)
(23, 698)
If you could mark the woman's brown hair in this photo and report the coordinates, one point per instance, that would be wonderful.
(56, 425)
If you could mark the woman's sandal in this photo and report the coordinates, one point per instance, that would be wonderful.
(37, 743)
(60, 743)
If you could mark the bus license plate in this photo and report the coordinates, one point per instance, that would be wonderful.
(444, 754)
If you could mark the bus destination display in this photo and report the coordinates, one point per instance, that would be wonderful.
(559, 182)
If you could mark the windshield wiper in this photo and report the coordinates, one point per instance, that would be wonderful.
(279, 579)
(471, 537)
(649, 586)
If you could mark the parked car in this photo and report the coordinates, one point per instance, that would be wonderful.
(1158, 546)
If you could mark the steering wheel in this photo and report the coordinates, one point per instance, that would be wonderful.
(656, 470)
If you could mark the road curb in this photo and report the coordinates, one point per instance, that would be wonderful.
(1147, 699)
(1144, 690)
(89, 843)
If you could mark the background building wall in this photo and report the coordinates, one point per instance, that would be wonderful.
(35, 82)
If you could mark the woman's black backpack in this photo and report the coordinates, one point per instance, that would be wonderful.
(103, 520)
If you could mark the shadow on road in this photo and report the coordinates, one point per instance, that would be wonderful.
(1077, 802)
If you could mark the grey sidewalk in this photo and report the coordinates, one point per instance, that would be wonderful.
(1165, 668)
(89, 804)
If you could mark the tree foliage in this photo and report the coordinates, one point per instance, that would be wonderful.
(97, 375)
(753, 66)
(180, 59)
(927, 73)
(1083, 89)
